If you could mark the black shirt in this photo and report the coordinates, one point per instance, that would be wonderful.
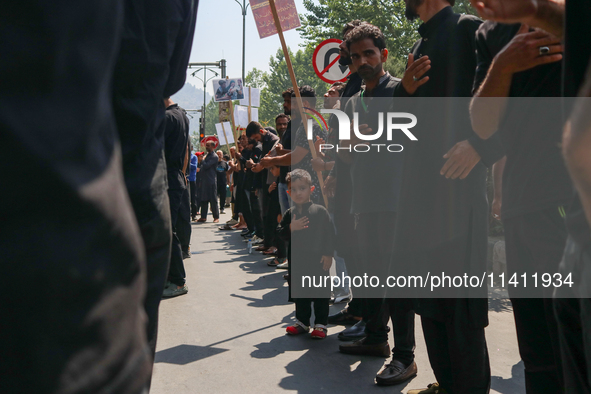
(535, 176)
(301, 139)
(176, 136)
(448, 39)
(221, 170)
(286, 143)
(376, 176)
(577, 52)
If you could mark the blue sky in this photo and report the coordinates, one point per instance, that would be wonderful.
(218, 35)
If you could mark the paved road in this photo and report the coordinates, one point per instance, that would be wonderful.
(227, 335)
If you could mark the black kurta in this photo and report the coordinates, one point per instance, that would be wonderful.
(208, 177)
(442, 223)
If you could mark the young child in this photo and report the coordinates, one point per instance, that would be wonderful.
(308, 228)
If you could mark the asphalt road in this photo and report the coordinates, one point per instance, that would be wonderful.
(227, 335)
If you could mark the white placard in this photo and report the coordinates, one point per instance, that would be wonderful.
(228, 129)
(240, 116)
(254, 114)
(255, 97)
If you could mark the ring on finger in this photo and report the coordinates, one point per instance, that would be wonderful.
(544, 50)
(414, 78)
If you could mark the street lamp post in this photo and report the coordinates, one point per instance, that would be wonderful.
(244, 7)
(204, 80)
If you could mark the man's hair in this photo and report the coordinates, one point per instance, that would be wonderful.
(287, 93)
(350, 26)
(226, 158)
(307, 92)
(253, 128)
(298, 174)
(252, 142)
(281, 116)
(223, 81)
(365, 31)
(339, 86)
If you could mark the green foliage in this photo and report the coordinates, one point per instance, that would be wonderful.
(326, 18)
(275, 82)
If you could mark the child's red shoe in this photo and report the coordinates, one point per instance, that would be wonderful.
(296, 329)
(319, 333)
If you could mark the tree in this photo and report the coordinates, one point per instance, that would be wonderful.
(326, 20)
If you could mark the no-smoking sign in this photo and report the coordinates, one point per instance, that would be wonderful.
(326, 62)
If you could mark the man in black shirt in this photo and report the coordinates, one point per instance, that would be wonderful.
(207, 174)
(283, 149)
(176, 136)
(222, 181)
(443, 220)
(535, 182)
(377, 175)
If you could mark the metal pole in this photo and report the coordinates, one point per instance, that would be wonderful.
(204, 103)
(243, 40)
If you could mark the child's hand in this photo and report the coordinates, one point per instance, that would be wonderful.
(299, 224)
(272, 187)
(326, 262)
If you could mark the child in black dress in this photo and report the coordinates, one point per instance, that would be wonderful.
(308, 228)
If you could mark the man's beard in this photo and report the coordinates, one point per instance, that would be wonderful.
(345, 61)
(368, 72)
(411, 9)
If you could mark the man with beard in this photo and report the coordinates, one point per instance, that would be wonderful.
(282, 149)
(443, 219)
(376, 186)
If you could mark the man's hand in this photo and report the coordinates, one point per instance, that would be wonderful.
(300, 224)
(461, 159)
(326, 262)
(414, 71)
(330, 184)
(524, 53)
(198, 169)
(249, 163)
(319, 141)
(506, 11)
(272, 187)
(318, 164)
(266, 162)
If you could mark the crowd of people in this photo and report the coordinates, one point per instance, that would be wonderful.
(112, 155)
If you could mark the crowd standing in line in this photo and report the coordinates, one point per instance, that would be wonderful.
(127, 171)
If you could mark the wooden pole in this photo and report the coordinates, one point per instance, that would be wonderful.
(296, 91)
(233, 125)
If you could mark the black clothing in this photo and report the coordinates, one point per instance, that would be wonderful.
(354, 82)
(448, 40)
(303, 307)
(577, 54)
(535, 177)
(301, 139)
(176, 137)
(195, 204)
(286, 143)
(215, 210)
(221, 170)
(74, 323)
(458, 355)
(376, 176)
(442, 224)
(183, 227)
(208, 177)
(176, 272)
(307, 246)
(152, 64)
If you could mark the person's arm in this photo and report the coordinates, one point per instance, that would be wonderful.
(544, 14)
(497, 174)
(294, 157)
(283, 229)
(193, 163)
(577, 145)
(209, 161)
(520, 54)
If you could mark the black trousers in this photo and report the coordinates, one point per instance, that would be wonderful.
(375, 235)
(535, 243)
(458, 355)
(222, 195)
(574, 319)
(214, 208)
(194, 202)
(304, 310)
(252, 214)
(176, 273)
(184, 220)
